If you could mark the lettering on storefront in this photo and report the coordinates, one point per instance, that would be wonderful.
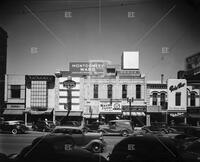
(173, 88)
(106, 107)
(87, 67)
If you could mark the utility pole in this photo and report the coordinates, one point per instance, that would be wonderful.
(130, 100)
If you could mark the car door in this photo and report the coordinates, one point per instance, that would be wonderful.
(78, 137)
(112, 127)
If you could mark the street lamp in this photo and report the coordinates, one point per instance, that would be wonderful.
(130, 100)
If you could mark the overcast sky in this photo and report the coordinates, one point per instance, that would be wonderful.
(44, 36)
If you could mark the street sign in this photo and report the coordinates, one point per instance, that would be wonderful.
(69, 84)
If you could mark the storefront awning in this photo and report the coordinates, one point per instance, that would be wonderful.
(72, 113)
(13, 111)
(93, 116)
(134, 113)
(48, 111)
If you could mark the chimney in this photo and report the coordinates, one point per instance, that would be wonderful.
(162, 78)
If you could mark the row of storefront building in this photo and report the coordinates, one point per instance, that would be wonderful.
(99, 90)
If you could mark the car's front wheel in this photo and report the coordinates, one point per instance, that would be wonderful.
(124, 133)
(96, 148)
(14, 131)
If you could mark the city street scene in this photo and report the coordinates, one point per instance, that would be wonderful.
(100, 81)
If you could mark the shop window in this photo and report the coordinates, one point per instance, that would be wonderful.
(109, 87)
(155, 98)
(178, 99)
(15, 91)
(124, 91)
(96, 89)
(138, 91)
(192, 99)
(39, 94)
(162, 99)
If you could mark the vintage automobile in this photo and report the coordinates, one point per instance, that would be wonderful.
(14, 126)
(91, 141)
(181, 140)
(191, 152)
(155, 129)
(117, 127)
(71, 123)
(60, 148)
(43, 126)
(148, 148)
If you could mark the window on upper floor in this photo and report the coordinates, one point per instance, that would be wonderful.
(109, 89)
(162, 99)
(124, 91)
(15, 91)
(178, 98)
(155, 99)
(138, 91)
(96, 90)
(192, 99)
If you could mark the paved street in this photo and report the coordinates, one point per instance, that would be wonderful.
(10, 144)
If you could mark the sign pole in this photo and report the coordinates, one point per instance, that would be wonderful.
(129, 100)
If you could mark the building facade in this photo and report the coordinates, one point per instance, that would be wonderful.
(192, 75)
(15, 96)
(29, 97)
(3, 63)
(117, 94)
(156, 102)
(40, 97)
(68, 100)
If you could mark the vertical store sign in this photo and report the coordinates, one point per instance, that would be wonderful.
(177, 95)
(69, 84)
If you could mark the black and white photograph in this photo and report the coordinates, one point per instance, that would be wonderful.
(100, 81)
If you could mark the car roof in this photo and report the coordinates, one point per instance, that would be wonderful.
(67, 127)
(119, 121)
(143, 145)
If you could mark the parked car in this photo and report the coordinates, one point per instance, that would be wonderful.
(181, 127)
(71, 123)
(94, 126)
(14, 126)
(181, 140)
(117, 127)
(90, 141)
(187, 129)
(55, 149)
(155, 129)
(191, 153)
(43, 126)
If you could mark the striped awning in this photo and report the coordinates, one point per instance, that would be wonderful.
(134, 113)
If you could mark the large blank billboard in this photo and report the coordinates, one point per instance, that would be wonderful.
(130, 60)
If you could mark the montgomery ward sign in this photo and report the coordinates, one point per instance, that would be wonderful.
(86, 67)
(107, 108)
(177, 95)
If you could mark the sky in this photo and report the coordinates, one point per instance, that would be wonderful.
(45, 35)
